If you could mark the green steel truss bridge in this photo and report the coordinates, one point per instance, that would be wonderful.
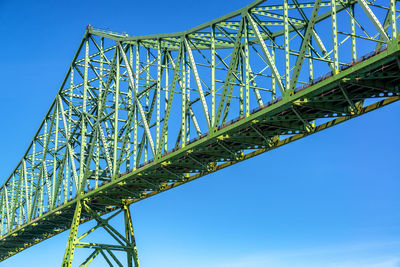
(136, 116)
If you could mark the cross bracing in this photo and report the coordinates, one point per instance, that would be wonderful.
(137, 115)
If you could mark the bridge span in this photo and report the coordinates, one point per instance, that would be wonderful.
(138, 115)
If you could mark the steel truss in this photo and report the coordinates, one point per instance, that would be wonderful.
(136, 116)
(125, 242)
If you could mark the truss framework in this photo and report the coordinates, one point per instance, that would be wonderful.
(138, 115)
(124, 242)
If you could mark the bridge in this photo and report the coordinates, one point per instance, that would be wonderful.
(138, 115)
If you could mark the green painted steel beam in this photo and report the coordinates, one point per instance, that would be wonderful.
(108, 139)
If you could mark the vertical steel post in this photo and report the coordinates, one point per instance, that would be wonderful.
(212, 74)
(247, 66)
(146, 142)
(83, 119)
(116, 109)
(130, 94)
(70, 250)
(7, 208)
(353, 34)
(2, 218)
(188, 106)
(30, 212)
(69, 127)
(99, 113)
(310, 65)
(158, 92)
(183, 90)
(41, 175)
(166, 99)
(286, 37)
(334, 37)
(241, 73)
(135, 118)
(54, 193)
(273, 81)
(393, 18)
(130, 236)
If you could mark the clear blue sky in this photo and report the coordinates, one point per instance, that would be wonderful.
(331, 199)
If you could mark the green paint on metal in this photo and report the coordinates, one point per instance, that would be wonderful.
(105, 141)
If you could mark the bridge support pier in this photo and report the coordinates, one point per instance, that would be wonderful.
(123, 241)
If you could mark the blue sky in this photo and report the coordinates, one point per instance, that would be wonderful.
(328, 200)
